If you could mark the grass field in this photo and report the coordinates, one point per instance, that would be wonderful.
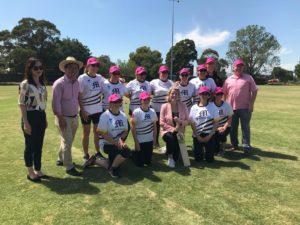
(263, 188)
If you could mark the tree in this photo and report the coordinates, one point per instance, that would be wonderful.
(208, 53)
(151, 60)
(297, 70)
(127, 69)
(258, 48)
(105, 63)
(282, 74)
(184, 54)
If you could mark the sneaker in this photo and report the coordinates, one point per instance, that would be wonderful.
(114, 173)
(171, 163)
(59, 163)
(221, 152)
(89, 162)
(99, 155)
(73, 172)
(247, 149)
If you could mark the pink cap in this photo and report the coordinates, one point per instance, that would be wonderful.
(114, 98)
(92, 61)
(140, 70)
(203, 89)
(219, 90)
(201, 67)
(210, 60)
(184, 70)
(163, 68)
(113, 69)
(238, 62)
(144, 95)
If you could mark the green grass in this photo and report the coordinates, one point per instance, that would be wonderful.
(260, 189)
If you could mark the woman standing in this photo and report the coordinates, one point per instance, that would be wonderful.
(91, 87)
(173, 119)
(204, 119)
(136, 87)
(143, 123)
(113, 127)
(186, 88)
(32, 102)
(160, 88)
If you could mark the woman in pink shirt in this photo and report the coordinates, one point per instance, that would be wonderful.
(173, 119)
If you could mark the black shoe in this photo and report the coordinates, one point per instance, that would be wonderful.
(99, 155)
(89, 162)
(37, 179)
(73, 172)
(59, 163)
(113, 172)
(44, 177)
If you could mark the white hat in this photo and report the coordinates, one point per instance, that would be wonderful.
(69, 60)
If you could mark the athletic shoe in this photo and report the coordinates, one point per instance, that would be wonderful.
(99, 155)
(89, 162)
(247, 149)
(221, 152)
(73, 172)
(171, 163)
(114, 173)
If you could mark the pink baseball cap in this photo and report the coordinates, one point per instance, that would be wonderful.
(140, 70)
(114, 98)
(203, 89)
(201, 67)
(238, 62)
(144, 95)
(184, 70)
(219, 90)
(163, 68)
(91, 61)
(113, 69)
(210, 60)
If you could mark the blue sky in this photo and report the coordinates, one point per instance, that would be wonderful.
(118, 27)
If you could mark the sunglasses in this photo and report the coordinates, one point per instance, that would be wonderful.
(184, 74)
(205, 94)
(143, 74)
(219, 94)
(165, 72)
(116, 73)
(95, 65)
(36, 68)
(201, 71)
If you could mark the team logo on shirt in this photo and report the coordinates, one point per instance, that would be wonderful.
(119, 123)
(115, 91)
(143, 88)
(221, 113)
(184, 92)
(203, 113)
(147, 117)
(96, 85)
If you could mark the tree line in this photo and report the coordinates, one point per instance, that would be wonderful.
(41, 39)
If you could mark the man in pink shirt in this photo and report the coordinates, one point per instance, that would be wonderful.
(65, 108)
(240, 92)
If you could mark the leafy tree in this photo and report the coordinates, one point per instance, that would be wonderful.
(297, 70)
(105, 63)
(258, 48)
(282, 74)
(208, 53)
(127, 68)
(184, 53)
(151, 60)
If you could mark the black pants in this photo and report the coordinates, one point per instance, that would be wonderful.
(209, 149)
(113, 151)
(157, 127)
(34, 142)
(221, 138)
(144, 156)
(172, 145)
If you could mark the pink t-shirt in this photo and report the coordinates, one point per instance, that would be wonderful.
(65, 97)
(239, 91)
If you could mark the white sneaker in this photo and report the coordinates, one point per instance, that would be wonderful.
(171, 163)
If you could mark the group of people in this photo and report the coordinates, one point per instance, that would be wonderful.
(160, 107)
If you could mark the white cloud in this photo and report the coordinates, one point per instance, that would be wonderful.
(288, 66)
(205, 39)
(285, 51)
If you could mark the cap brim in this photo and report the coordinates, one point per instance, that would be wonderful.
(63, 63)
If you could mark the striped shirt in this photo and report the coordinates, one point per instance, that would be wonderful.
(160, 91)
(134, 88)
(204, 117)
(144, 124)
(187, 93)
(208, 82)
(91, 90)
(112, 88)
(225, 111)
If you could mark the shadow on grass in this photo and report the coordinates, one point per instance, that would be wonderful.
(64, 186)
(217, 164)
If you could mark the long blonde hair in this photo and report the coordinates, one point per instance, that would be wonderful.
(175, 87)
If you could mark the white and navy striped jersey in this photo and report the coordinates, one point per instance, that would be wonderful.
(112, 88)
(208, 82)
(91, 91)
(113, 125)
(134, 88)
(203, 117)
(144, 124)
(159, 90)
(225, 111)
(187, 93)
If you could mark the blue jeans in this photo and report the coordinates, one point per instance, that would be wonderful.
(243, 115)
